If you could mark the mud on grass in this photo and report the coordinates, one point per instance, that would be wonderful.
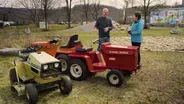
(159, 82)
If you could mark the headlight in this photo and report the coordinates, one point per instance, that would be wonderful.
(56, 65)
(45, 67)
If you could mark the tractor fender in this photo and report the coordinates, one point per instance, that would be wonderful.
(59, 53)
(85, 58)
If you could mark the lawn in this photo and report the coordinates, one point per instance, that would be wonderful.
(161, 81)
(33, 28)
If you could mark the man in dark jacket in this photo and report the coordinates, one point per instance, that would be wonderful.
(104, 26)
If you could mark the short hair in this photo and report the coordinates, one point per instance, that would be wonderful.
(138, 15)
(105, 9)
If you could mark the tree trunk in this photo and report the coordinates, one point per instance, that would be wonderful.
(125, 18)
(46, 27)
(37, 24)
(69, 4)
(145, 20)
(86, 18)
(69, 18)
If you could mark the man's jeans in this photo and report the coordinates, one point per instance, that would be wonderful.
(101, 42)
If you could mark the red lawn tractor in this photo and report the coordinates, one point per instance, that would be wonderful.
(120, 60)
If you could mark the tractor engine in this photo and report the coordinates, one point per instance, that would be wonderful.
(44, 65)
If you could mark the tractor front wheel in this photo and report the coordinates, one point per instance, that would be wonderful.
(31, 93)
(64, 63)
(78, 70)
(115, 78)
(65, 85)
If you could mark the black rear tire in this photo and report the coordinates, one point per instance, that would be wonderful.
(115, 78)
(31, 93)
(13, 79)
(65, 85)
(13, 76)
(65, 63)
(78, 70)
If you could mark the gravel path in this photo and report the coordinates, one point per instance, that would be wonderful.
(159, 43)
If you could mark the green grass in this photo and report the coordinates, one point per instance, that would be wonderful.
(159, 82)
(85, 37)
(34, 29)
(159, 31)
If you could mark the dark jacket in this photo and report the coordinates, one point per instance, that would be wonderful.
(101, 23)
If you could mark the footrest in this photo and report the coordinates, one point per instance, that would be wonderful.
(101, 64)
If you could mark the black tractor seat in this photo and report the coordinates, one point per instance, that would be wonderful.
(71, 42)
(84, 49)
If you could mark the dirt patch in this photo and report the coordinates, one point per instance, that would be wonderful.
(152, 43)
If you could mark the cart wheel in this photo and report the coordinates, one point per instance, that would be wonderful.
(65, 85)
(64, 63)
(78, 70)
(126, 73)
(115, 78)
(31, 93)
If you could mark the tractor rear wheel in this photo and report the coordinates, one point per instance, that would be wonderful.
(78, 70)
(65, 85)
(13, 79)
(31, 93)
(13, 76)
(115, 78)
(65, 63)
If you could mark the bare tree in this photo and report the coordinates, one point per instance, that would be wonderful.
(34, 9)
(147, 6)
(3, 3)
(78, 16)
(5, 12)
(47, 5)
(126, 2)
(176, 3)
(95, 9)
(85, 4)
(68, 11)
(132, 3)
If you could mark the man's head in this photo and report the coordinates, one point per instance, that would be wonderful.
(105, 12)
(137, 16)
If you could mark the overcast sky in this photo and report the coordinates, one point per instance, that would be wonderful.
(115, 3)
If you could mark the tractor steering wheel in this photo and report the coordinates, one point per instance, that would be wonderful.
(31, 48)
(54, 41)
(99, 40)
(34, 48)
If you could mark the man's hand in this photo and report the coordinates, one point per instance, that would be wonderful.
(129, 32)
(106, 29)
